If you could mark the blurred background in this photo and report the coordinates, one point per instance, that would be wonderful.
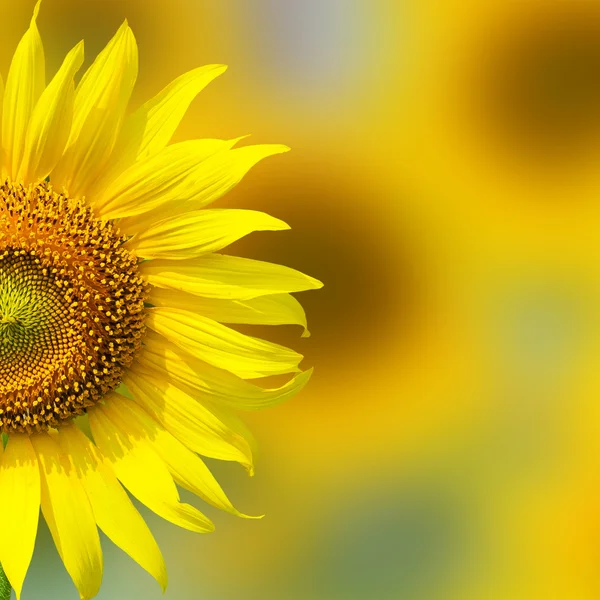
(444, 183)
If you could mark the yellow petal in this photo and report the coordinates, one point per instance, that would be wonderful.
(221, 346)
(50, 122)
(24, 85)
(167, 361)
(186, 418)
(196, 233)
(234, 423)
(227, 277)
(217, 175)
(150, 128)
(100, 102)
(3, 168)
(158, 119)
(69, 516)
(114, 513)
(277, 309)
(187, 468)
(167, 176)
(19, 508)
(141, 470)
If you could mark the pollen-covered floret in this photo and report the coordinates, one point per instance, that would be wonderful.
(71, 307)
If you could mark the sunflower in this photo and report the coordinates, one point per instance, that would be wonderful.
(117, 365)
(499, 127)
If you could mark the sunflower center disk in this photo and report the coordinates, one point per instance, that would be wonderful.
(71, 307)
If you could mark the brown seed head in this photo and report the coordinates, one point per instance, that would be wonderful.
(71, 307)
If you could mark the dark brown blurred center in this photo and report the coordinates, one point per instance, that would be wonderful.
(540, 78)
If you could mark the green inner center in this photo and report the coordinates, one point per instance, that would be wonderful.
(33, 328)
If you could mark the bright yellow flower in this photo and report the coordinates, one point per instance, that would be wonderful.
(110, 275)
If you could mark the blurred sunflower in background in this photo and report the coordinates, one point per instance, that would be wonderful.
(500, 101)
(497, 130)
(110, 277)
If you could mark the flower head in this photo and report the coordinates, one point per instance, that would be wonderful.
(115, 306)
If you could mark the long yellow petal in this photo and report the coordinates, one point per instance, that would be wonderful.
(24, 85)
(200, 232)
(101, 99)
(114, 513)
(150, 128)
(232, 421)
(19, 508)
(158, 119)
(277, 309)
(3, 168)
(227, 277)
(69, 516)
(186, 418)
(169, 362)
(187, 468)
(51, 120)
(167, 176)
(221, 346)
(217, 175)
(188, 413)
(141, 470)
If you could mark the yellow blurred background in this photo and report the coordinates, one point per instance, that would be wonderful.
(444, 183)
